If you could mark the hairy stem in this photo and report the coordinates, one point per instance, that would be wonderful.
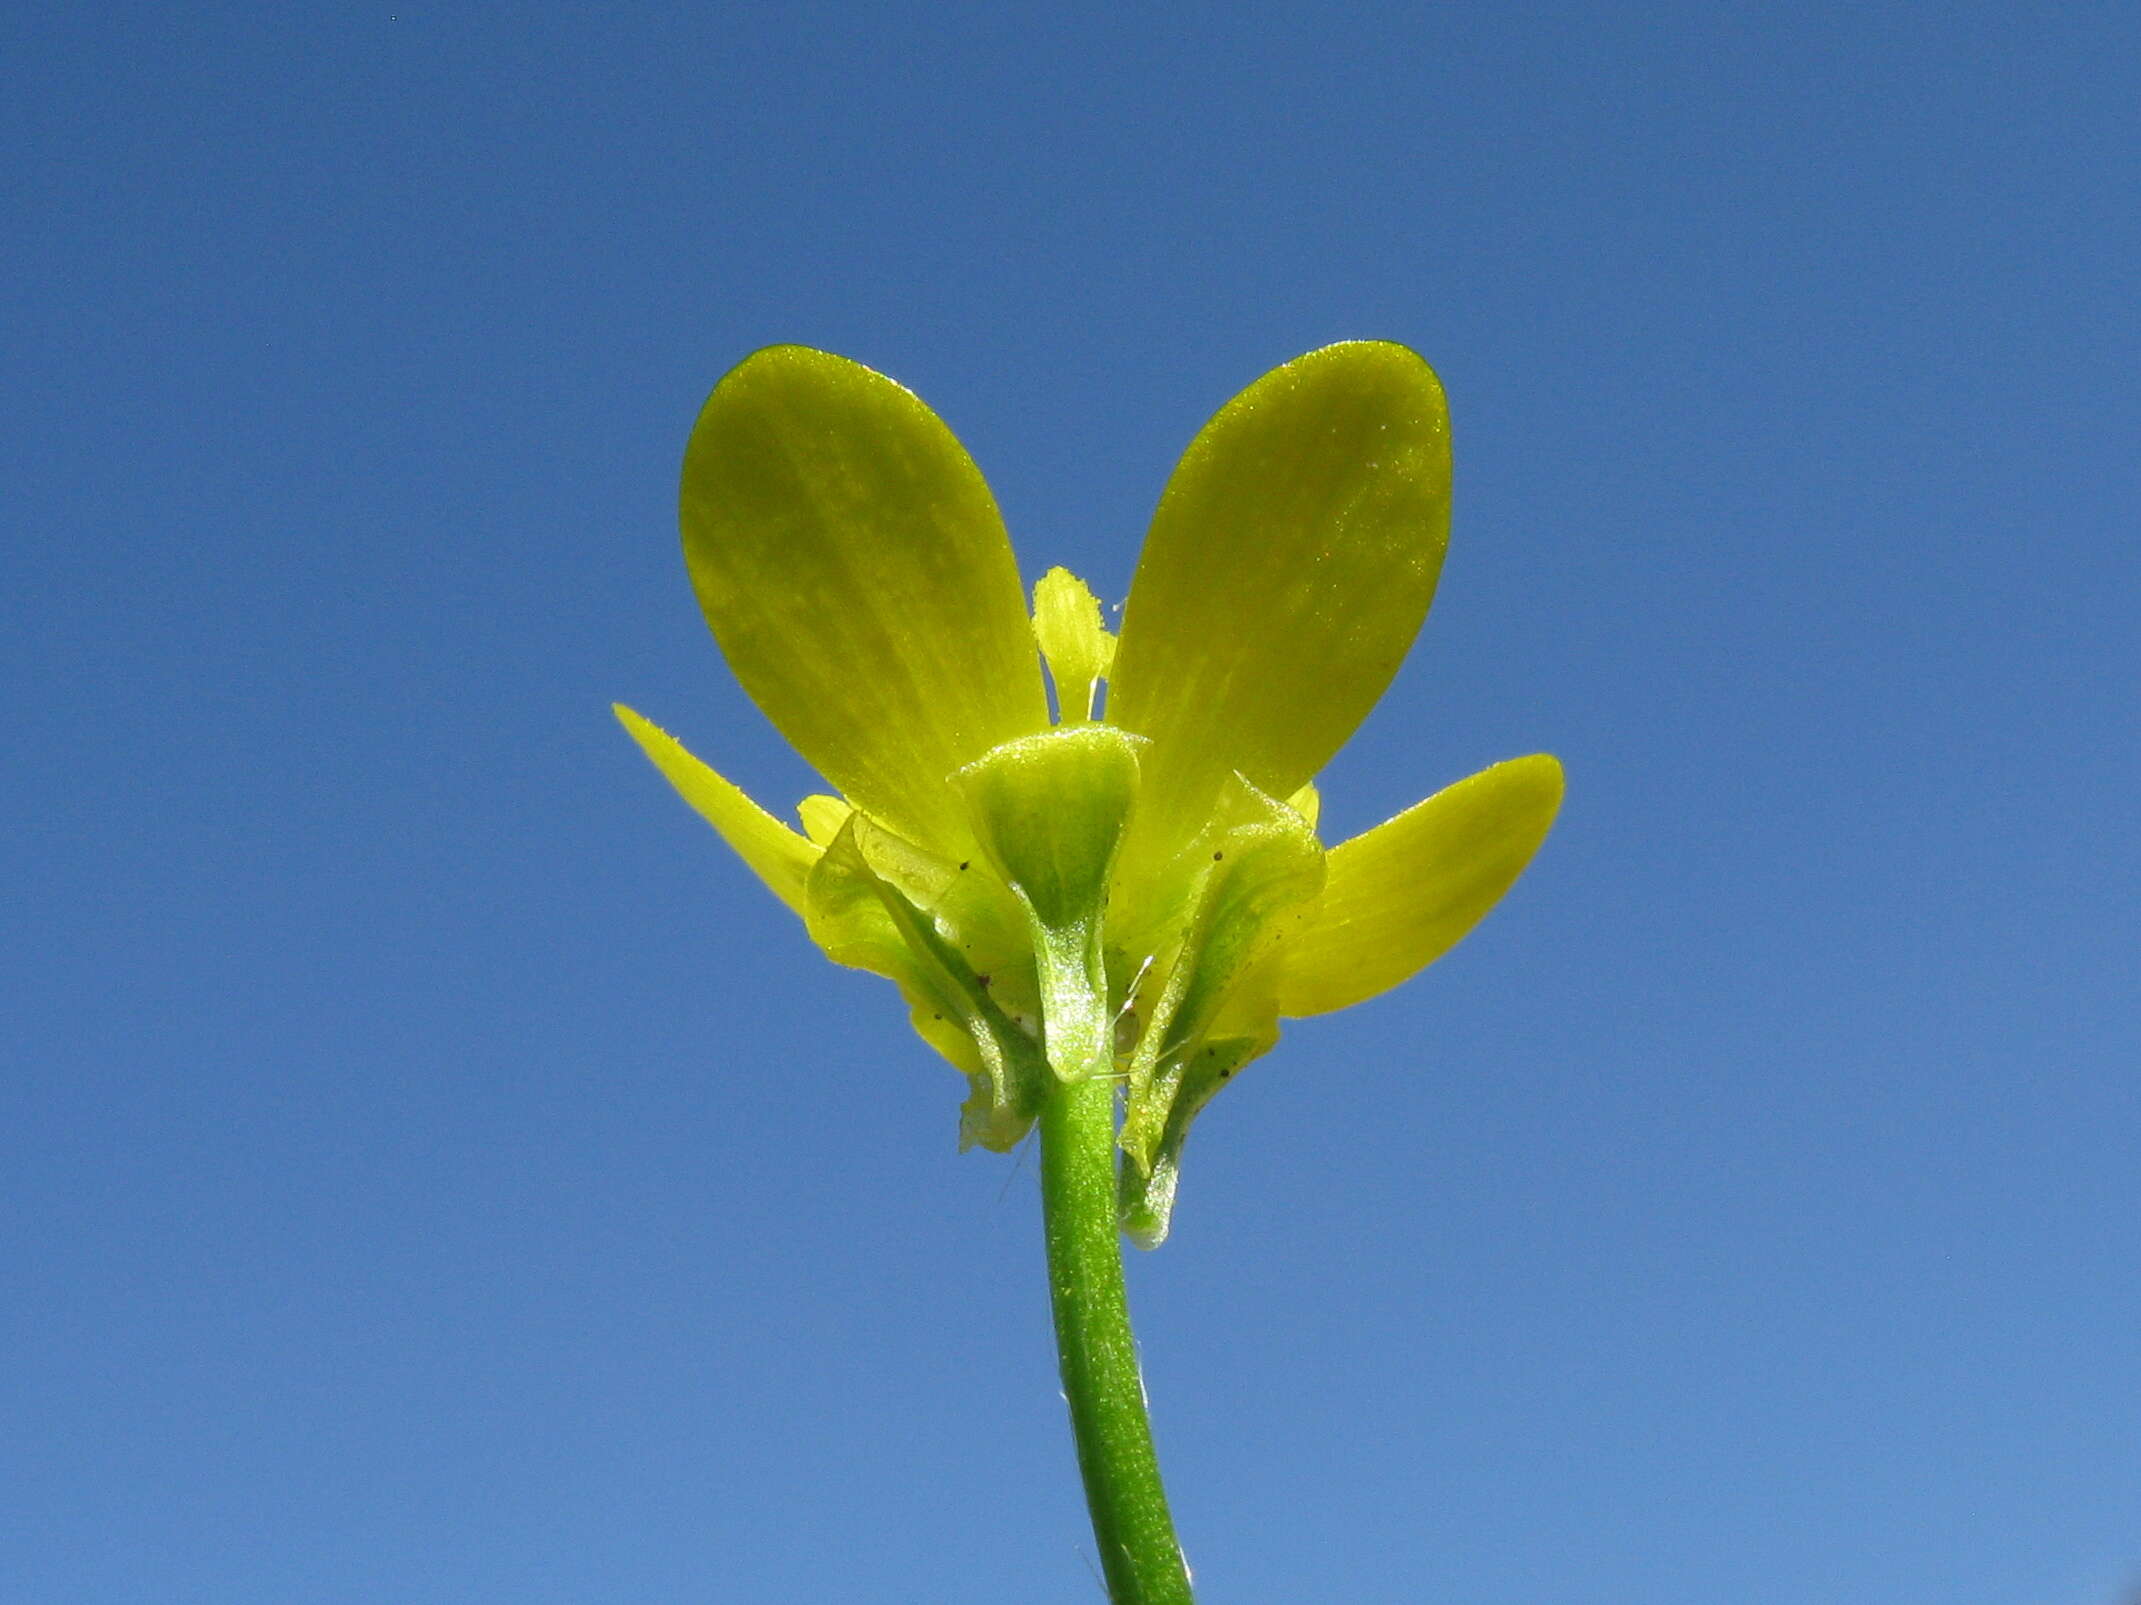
(1138, 1552)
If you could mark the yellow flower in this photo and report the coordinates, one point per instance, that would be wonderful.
(1140, 894)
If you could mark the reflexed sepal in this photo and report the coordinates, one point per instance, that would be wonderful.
(861, 918)
(1263, 863)
(1148, 1196)
(998, 1111)
(1049, 811)
(969, 908)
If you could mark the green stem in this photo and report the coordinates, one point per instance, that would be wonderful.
(1136, 1536)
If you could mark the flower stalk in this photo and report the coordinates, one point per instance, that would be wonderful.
(1139, 1555)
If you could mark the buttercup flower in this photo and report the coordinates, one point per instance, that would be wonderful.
(1131, 886)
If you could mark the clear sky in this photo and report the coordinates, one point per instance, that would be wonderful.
(432, 1171)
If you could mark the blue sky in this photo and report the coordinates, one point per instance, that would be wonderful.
(432, 1171)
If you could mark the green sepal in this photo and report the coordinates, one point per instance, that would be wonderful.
(969, 908)
(1263, 863)
(1147, 1196)
(995, 1115)
(1049, 811)
(862, 919)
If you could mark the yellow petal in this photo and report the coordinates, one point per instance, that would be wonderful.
(1401, 895)
(1290, 563)
(776, 854)
(856, 572)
